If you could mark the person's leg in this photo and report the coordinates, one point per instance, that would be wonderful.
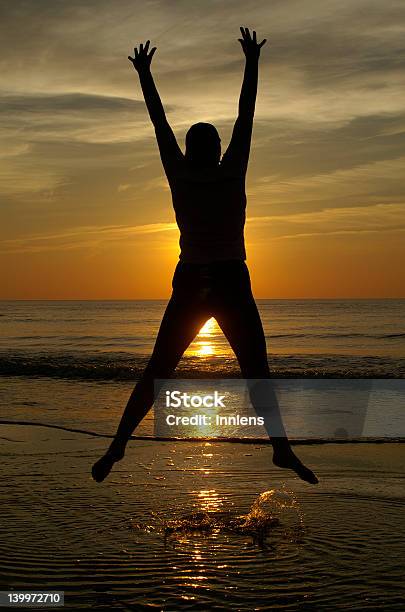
(181, 322)
(239, 319)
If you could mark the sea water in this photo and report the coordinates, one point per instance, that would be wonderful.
(74, 363)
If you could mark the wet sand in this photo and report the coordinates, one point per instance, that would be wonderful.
(130, 543)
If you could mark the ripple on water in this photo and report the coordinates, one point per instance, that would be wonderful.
(209, 542)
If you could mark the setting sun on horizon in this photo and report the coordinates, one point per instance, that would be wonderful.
(86, 211)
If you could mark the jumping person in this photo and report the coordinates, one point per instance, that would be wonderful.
(211, 278)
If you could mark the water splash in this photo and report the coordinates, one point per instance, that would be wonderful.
(279, 504)
(272, 512)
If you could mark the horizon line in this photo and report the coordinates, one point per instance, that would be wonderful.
(160, 299)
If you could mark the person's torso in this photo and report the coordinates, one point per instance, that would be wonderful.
(210, 211)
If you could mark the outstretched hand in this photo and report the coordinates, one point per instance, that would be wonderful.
(142, 57)
(251, 48)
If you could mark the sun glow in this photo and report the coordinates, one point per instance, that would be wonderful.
(205, 349)
(209, 327)
(204, 345)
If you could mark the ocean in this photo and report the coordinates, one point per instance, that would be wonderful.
(74, 363)
(111, 340)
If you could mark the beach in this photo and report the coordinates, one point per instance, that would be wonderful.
(338, 545)
(203, 524)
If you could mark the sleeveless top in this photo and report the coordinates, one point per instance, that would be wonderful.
(209, 205)
(210, 202)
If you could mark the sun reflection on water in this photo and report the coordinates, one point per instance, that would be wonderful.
(205, 349)
(209, 500)
(204, 345)
(209, 327)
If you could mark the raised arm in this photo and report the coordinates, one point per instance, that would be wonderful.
(239, 147)
(170, 151)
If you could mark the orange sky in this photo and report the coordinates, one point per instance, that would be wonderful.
(85, 212)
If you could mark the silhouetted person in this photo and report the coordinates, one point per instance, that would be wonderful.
(211, 278)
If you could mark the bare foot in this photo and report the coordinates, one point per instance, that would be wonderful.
(103, 466)
(287, 459)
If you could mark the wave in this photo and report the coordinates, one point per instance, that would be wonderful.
(126, 366)
(264, 440)
(111, 340)
(339, 335)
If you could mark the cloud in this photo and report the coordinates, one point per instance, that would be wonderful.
(77, 141)
(376, 218)
(82, 237)
(332, 221)
(363, 178)
(73, 117)
(68, 102)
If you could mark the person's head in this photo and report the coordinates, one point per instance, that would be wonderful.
(203, 145)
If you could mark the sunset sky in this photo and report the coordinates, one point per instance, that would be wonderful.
(84, 208)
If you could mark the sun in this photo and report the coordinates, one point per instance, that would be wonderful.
(209, 327)
(204, 345)
(205, 349)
